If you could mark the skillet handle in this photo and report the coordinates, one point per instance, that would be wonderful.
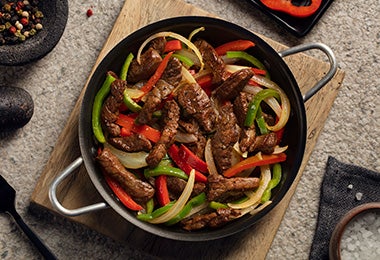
(329, 75)
(53, 193)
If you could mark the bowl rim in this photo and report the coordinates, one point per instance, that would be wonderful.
(35, 48)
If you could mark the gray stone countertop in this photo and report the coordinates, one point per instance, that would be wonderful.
(351, 133)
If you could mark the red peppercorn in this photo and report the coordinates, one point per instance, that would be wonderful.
(12, 30)
(89, 13)
(24, 21)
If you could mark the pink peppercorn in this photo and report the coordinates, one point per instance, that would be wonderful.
(24, 21)
(12, 29)
(89, 13)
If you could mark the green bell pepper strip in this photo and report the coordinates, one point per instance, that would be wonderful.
(245, 56)
(155, 214)
(194, 202)
(261, 122)
(125, 67)
(254, 105)
(165, 170)
(217, 205)
(185, 60)
(150, 206)
(97, 108)
(276, 178)
(130, 103)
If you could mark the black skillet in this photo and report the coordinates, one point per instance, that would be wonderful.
(217, 32)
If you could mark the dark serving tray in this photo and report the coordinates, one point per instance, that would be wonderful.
(298, 26)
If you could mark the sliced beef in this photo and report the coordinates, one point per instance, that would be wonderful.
(149, 64)
(173, 72)
(177, 185)
(226, 135)
(241, 104)
(215, 219)
(221, 188)
(132, 143)
(138, 189)
(158, 44)
(171, 116)
(110, 108)
(233, 85)
(212, 60)
(195, 102)
(264, 143)
(191, 126)
(154, 99)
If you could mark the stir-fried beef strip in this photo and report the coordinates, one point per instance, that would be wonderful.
(132, 143)
(212, 61)
(221, 188)
(214, 219)
(150, 60)
(110, 109)
(173, 72)
(226, 135)
(138, 189)
(191, 126)
(264, 143)
(195, 102)
(170, 115)
(154, 99)
(177, 185)
(158, 44)
(233, 85)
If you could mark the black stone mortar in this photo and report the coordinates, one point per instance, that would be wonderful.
(16, 108)
(54, 23)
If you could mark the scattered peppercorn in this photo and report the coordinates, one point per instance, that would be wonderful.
(89, 12)
(19, 20)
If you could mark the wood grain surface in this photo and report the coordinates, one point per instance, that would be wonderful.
(77, 190)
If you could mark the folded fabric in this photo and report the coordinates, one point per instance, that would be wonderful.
(344, 187)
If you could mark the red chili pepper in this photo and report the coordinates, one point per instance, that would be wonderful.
(194, 161)
(157, 75)
(128, 122)
(162, 192)
(184, 166)
(173, 45)
(122, 195)
(254, 161)
(286, 6)
(238, 45)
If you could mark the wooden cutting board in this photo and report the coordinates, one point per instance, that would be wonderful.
(77, 190)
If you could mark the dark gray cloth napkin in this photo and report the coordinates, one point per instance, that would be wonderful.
(344, 187)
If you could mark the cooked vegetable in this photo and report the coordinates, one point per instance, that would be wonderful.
(198, 128)
(286, 6)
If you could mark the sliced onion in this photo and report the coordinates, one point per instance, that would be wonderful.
(209, 158)
(134, 93)
(285, 104)
(179, 204)
(278, 149)
(197, 209)
(271, 101)
(237, 149)
(185, 137)
(186, 75)
(175, 36)
(194, 32)
(256, 208)
(129, 160)
(255, 197)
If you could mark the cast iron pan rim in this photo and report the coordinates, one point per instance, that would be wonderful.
(106, 193)
(35, 48)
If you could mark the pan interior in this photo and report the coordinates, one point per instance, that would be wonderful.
(216, 32)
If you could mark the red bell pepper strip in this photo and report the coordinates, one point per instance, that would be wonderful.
(286, 6)
(279, 133)
(205, 81)
(162, 192)
(254, 161)
(128, 122)
(188, 156)
(183, 165)
(122, 195)
(259, 71)
(157, 75)
(173, 45)
(238, 45)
